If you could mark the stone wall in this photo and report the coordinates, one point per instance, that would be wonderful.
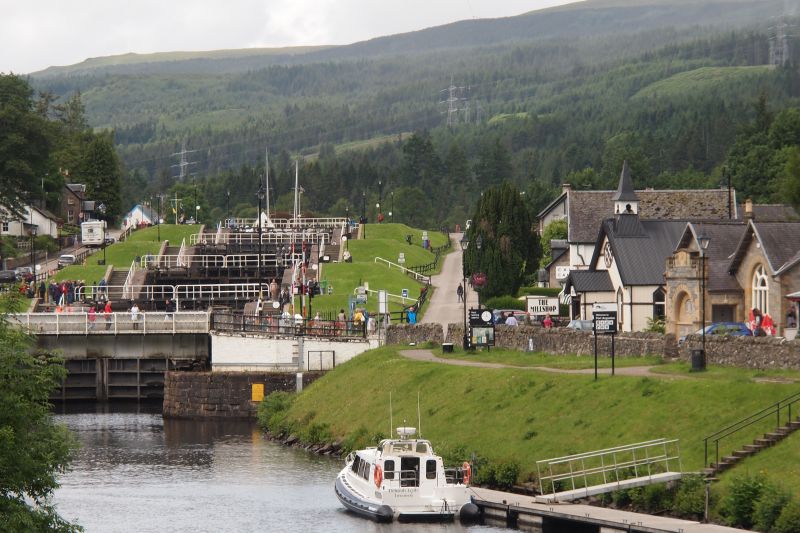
(563, 341)
(405, 334)
(746, 352)
(222, 394)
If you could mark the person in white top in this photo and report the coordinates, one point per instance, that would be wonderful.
(511, 320)
(135, 315)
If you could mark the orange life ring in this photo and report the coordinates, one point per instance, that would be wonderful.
(378, 476)
(466, 469)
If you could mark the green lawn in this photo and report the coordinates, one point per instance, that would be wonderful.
(699, 80)
(528, 415)
(398, 232)
(526, 359)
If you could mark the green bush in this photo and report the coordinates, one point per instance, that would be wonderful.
(789, 520)
(737, 507)
(690, 500)
(656, 326)
(652, 498)
(539, 291)
(504, 302)
(502, 475)
(768, 507)
(317, 433)
(357, 440)
(621, 498)
(273, 411)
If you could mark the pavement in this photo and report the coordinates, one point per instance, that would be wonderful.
(444, 307)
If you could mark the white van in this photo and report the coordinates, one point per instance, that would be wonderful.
(66, 260)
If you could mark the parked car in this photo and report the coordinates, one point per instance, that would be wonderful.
(731, 329)
(521, 316)
(25, 273)
(8, 276)
(110, 240)
(581, 325)
(66, 260)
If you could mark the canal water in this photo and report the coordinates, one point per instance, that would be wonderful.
(136, 472)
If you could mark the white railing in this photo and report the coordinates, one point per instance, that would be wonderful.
(117, 323)
(329, 222)
(212, 261)
(216, 237)
(181, 261)
(578, 474)
(416, 275)
(126, 293)
(271, 237)
(397, 297)
(225, 292)
(145, 292)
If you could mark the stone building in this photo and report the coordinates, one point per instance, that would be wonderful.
(746, 265)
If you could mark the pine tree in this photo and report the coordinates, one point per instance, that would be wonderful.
(100, 169)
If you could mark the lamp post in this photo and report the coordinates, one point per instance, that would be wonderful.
(703, 241)
(380, 198)
(391, 208)
(101, 208)
(478, 244)
(33, 252)
(158, 217)
(228, 205)
(464, 245)
(364, 214)
(260, 195)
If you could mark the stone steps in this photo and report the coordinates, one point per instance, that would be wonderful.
(748, 450)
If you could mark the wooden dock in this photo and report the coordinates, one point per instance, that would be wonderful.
(523, 512)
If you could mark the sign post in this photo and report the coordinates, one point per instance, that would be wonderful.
(481, 328)
(541, 306)
(604, 322)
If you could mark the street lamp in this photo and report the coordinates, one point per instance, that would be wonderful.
(391, 208)
(364, 214)
(478, 244)
(260, 195)
(228, 205)
(380, 197)
(158, 217)
(704, 242)
(464, 245)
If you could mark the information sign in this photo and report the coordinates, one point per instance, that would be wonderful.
(605, 322)
(541, 306)
(481, 327)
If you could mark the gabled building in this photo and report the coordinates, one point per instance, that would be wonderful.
(33, 219)
(626, 266)
(75, 207)
(140, 215)
(749, 265)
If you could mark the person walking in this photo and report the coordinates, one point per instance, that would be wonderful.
(547, 322)
(460, 293)
(92, 316)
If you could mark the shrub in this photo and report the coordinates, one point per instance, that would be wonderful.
(690, 501)
(539, 291)
(737, 507)
(506, 474)
(621, 498)
(317, 433)
(768, 507)
(504, 302)
(273, 411)
(651, 498)
(789, 520)
(658, 325)
(356, 440)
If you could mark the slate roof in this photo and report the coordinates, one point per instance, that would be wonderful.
(589, 281)
(625, 192)
(724, 237)
(640, 247)
(771, 213)
(780, 242)
(587, 209)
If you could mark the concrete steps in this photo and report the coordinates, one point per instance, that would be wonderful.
(767, 440)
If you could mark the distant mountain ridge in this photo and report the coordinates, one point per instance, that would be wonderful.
(592, 18)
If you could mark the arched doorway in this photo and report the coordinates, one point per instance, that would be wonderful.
(684, 314)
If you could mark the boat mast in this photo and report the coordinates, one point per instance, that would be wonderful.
(419, 418)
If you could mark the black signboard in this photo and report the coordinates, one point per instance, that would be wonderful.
(481, 327)
(605, 322)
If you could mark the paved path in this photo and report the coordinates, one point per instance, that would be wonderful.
(601, 514)
(444, 305)
(642, 371)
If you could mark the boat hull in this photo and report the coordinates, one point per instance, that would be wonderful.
(353, 502)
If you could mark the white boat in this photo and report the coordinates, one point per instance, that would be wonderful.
(404, 479)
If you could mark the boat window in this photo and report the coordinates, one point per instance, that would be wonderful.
(388, 469)
(400, 447)
(356, 464)
(430, 469)
(422, 447)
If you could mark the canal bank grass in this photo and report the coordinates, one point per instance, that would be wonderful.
(398, 232)
(531, 359)
(730, 373)
(345, 277)
(525, 415)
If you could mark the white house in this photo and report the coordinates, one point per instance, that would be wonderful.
(140, 215)
(33, 218)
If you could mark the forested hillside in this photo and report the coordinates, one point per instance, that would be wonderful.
(675, 87)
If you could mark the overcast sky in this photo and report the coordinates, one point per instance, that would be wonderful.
(35, 34)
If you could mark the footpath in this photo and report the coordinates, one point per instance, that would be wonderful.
(444, 307)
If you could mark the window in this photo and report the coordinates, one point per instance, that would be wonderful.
(4, 227)
(620, 310)
(70, 216)
(760, 289)
(659, 304)
(430, 469)
(388, 469)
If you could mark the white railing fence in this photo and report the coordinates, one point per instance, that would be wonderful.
(116, 323)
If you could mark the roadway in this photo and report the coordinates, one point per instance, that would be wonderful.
(444, 307)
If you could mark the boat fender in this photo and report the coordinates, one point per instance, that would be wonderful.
(378, 476)
(386, 514)
(466, 469)
(469, 513)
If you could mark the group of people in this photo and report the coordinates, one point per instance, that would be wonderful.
(761, 324)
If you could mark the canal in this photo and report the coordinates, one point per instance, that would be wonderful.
(138, 472)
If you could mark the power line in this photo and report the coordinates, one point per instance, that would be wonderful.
(184, 163)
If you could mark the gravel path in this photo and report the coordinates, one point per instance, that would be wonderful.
(642, 371)
(444, 305)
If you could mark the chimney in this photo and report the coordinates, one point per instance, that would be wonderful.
(565, 188)
(748, 209)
